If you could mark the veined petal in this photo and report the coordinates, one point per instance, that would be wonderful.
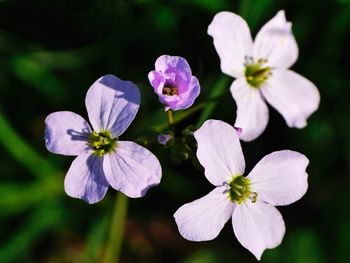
(258, 226)
(171, 64)
(276, 43)
(204, 218)
(85, 179)
(112, 104)
(252, 111)
(132, 169)
(66, 133)
(190, 95)
(280, 177)
(292, 95)
(232, 41)
(219, 151)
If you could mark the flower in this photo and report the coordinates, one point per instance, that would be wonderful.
(261, 72)
(173, 82)
(278, 179)
(164, 138)
(102, 159)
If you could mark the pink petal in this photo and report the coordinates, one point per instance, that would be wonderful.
(292, 95)
(132, 169)
(85, 179)
(258, 226)
(276, 43)
(232, 41)
(219, 151)
(112, 104)
(252, 111)
(280, 177)
(204, 218)
(66, 133)
(189, 96)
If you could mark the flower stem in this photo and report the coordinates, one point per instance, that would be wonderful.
(116, 233)
(170, 120)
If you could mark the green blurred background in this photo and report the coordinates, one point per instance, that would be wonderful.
(52, 51)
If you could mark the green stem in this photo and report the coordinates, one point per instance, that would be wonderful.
(170, 120)
(116, 233)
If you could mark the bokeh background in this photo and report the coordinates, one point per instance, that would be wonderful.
(52, 51)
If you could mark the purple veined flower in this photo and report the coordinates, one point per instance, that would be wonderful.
(261, 72)
(102, 159)
(173, 82)
(278, 179)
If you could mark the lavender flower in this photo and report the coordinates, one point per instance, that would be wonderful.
(173, 82)
(102, 159)
(164, 138)
(262, 72)
(278, 179)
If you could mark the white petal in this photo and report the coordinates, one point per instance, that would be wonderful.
(204, 218)
(280, 177)
(258, 226)
(252, 111)
(85, 179)
(112, 104)
(132, 169)
(219, 151)
(232, 41)
(66, 133)
(292, 95)
(276, 43)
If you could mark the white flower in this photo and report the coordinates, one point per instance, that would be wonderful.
(278, 179)
(261, 72)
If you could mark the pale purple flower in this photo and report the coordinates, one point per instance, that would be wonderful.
(261, 72)
(278, 179)
(173, 82)
(164, 138)
(103, 159)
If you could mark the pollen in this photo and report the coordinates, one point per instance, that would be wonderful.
(170, 91)
(256, 72)
(102, 143)
(240, 190)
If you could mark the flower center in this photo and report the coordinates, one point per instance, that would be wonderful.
(240, 190)
(102, 143)
(255, 72)
(170, 90)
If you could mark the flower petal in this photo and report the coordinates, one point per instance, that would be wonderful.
(232, 41)
(252, 111)
(292, 95)
(66, 133)
(258, 226)
(280, 177)
(112, 104)
(85, 179)
(276, 43)
(204, 218)
(174, 64)
(188, 97)
(219, 151)
(132, 169)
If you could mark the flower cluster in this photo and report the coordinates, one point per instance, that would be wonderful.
(261, 69)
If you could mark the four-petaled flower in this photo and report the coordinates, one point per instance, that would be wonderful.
(261, 72)
(102, 159)
(173, 82)
(278, 179)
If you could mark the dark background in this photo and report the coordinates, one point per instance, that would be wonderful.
(52, 51)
